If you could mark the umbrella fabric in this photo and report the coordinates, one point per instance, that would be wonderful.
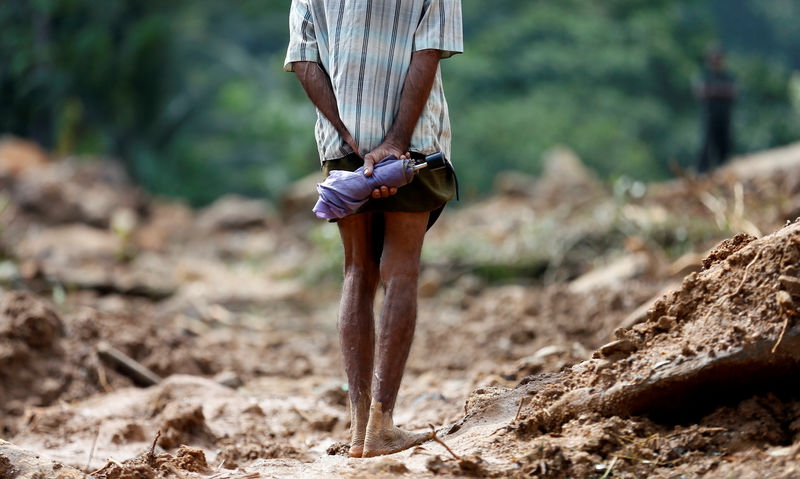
(343, 192)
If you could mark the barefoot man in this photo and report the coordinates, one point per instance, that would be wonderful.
(372, 70)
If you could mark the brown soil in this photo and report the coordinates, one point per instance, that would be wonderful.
(709, 372)
(522, 377)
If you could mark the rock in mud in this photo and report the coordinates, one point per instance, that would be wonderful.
(791, 284)
(619, 349)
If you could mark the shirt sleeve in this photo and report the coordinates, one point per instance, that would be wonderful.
(302, 38)
(439, 28)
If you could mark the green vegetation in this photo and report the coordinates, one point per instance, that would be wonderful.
(192, 96)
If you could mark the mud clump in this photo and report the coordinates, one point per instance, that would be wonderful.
(183, 424)
(6, 469)
(32, 368)
(151, 466)
(129, 433)
(190, 459)
(727, 248)
(23, 317)
(340, 448)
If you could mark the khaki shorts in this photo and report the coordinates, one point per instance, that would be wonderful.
(428, 191)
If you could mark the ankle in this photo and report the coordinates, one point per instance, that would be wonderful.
(379, 420)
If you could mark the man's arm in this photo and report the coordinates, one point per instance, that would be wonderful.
(416, 89)
(317, 85)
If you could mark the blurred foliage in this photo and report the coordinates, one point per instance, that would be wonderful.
(610, 79)
(192, 96)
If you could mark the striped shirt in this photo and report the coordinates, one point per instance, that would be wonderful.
(365, 46)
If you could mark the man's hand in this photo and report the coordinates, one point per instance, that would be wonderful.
(376, 156)
(416, 89)
(348, 138)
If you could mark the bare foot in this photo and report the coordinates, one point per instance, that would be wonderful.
(384, 438)
(359, 415)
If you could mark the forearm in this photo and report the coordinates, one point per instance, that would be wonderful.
(416, 90)
(317, 85)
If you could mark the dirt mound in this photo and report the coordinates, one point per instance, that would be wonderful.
(725, 330)
(710, 375)
(76, 191)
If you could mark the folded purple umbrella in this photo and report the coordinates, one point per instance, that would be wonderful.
(343, 192)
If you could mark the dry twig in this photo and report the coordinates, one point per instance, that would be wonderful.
(744, 276)
(436, 438)
(91, 454)
(786, 308)
(129, 366)
(519, 409)
(151, 455)
(783, 331)
(110, 462)
(736, 291)
(101, 377)
(610, 467)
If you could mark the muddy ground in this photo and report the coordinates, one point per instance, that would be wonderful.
(587, 331)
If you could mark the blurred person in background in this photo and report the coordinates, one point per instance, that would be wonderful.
(716, 89)
(372, 71)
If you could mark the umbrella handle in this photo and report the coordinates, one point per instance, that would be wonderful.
(433, 161)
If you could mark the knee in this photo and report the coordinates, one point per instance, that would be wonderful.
(363, 277)
(405, 272)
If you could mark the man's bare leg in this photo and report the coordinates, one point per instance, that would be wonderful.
(356, 322)
(399, 271)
